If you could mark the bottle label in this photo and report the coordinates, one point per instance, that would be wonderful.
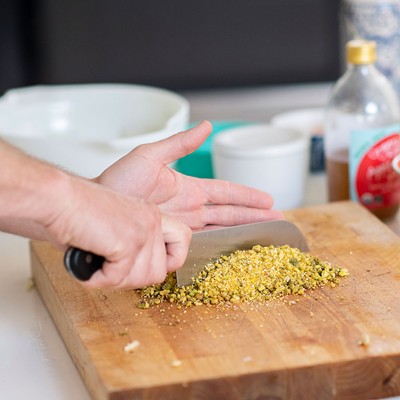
(373, 181)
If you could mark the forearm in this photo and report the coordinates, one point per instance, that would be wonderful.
(26, 190)
(23, 227)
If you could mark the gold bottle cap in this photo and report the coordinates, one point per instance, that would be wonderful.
(361, 51)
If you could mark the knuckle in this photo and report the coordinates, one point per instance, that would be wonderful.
(158, 276)
(187, 233)
(141, 148)
(114, 277)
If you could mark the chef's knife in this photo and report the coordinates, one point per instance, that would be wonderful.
(207, 246)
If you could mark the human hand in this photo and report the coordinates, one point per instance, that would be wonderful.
(140, 244)
(199, 203)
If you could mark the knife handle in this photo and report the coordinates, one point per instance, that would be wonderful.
(82, 264)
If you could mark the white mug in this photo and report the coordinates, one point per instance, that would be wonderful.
(272, 159)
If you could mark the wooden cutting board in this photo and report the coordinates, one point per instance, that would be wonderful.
(333, 343)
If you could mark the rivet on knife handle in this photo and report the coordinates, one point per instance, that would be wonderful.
(82, 264)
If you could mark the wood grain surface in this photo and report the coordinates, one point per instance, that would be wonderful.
(332, 343)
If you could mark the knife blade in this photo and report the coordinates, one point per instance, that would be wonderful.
(208, 246)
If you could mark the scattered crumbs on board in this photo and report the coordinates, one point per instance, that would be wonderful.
(30, 284)
(131, 346)
(176, 363)
(364, 341)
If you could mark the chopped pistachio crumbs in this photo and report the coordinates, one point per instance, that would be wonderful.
(255, 275)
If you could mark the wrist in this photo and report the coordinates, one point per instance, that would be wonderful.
(29, 188)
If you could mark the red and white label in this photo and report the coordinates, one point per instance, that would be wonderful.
(376, 183)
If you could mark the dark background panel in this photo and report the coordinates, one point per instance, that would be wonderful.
(15, 50)
(177, 44)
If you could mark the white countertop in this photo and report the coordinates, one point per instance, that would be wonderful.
(34, 363)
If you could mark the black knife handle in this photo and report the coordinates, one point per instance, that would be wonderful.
(82, 264)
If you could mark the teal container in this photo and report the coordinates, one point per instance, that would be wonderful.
(199, 163)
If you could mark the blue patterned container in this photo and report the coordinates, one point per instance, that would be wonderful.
(377, 20)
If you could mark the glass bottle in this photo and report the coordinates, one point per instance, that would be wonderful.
(362, 99)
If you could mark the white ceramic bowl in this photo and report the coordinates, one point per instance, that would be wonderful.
(269, 158)
(86, 127)
(311, 122)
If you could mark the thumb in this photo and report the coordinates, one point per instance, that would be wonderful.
(177, 146)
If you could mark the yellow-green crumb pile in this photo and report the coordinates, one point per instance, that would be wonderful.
(255, 275)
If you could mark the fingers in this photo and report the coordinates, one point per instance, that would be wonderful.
(176, 146)
(142, 268)
(129, 261)
(212, 216)
(177, 238)
(236, 215)
(225, 192)
(145, 262)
